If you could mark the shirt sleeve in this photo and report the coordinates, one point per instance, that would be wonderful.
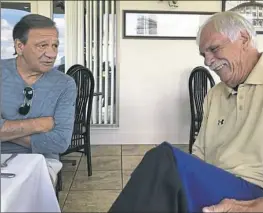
(59, 138)
(2, 121)
(199, 144)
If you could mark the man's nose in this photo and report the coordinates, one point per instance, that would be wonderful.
(209, 59)
(51, 52)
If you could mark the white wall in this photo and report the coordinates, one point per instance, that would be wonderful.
(153, 83)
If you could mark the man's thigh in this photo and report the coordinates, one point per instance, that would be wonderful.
(10, 148)
(206, 184)
(54, 166)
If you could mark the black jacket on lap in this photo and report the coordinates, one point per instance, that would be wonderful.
(154, 186)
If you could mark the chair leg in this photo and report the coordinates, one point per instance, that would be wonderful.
(191, 141)
(60, 181)
(88, 154)
(59, 184)
(86, 146)
(89, 165)
(57, 194)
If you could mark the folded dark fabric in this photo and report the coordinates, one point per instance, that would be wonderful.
(154, 186)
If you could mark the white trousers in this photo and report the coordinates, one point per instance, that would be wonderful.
(54, 166)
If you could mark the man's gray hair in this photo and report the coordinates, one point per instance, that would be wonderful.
(230, 24)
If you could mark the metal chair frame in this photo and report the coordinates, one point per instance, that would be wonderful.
(80, 141)
(198, 89)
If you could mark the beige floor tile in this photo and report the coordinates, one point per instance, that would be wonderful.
(102, 163)
(106, 150)
(62, 198)
(139, 149)
(73, 154)
(68, 166)
(130, 162)
(126, 174)
(90, 201)
(100, 180)
(67, 179)
(183, 147)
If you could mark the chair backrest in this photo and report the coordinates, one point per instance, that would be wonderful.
(200, 81)
(85, 89)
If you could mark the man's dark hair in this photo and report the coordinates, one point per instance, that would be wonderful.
(28, 22)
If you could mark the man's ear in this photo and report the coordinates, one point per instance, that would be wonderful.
(19, 46)
(246, 39)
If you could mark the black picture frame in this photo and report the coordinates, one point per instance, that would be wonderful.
(130, 15)
(247, 6)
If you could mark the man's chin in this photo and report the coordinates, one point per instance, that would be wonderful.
(226, 81)
(46, 68)
(229, 84)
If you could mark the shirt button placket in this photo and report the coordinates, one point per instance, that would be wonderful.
(240, 103)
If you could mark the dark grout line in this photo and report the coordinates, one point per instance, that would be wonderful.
(121, 169)
(73, 177)
(75, 172)
(102, 170)
(62, 207)
(92, 190)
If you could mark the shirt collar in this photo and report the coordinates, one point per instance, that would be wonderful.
(254, 78)
(229, 91)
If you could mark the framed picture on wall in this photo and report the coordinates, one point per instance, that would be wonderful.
(162, 24)
(251, 10)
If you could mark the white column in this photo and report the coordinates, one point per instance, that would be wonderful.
(106, 45)
(45, 8)
(112, 54)
(74, 33)
(80, 32)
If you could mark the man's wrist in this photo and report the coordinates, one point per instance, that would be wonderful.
(257, 205)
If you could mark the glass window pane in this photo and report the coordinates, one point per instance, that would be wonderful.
(11, 13)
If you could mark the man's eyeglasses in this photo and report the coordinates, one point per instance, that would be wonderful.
(25, 107)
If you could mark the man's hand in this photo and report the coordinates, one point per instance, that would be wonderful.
(231, 205)
(25, 141)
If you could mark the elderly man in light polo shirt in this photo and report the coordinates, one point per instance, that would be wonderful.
(225, 171)
(231, 134)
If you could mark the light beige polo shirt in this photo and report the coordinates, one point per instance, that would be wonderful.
(231, 135)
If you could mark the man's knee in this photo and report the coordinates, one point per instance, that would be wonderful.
(54, 166)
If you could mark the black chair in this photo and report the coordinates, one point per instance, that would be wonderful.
(73, 68)
(80, 141)
(200, 81)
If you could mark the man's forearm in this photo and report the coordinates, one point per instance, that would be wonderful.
(232, 205)
(19, 128)
(24, 141)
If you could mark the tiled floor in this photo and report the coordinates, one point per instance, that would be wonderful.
(112, 166)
